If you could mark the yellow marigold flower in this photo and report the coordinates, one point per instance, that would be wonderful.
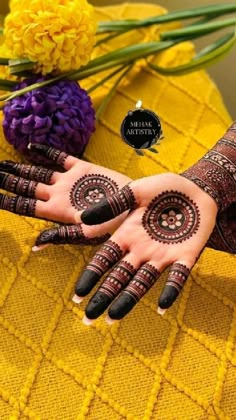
(57, 34)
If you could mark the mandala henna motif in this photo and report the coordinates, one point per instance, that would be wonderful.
(69, 234)
(17, 185)
(36, 173)
(171, 217)
(90, 190)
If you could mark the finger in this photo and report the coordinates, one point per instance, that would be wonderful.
(60, 158)
(18, 204)
(68, 234)
(22, 186)
(143, 280)
(178, 274)
(35, 173)
(102, 261)
(110, 207)
(114, 283)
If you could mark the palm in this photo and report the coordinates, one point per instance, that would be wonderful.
(169, 227)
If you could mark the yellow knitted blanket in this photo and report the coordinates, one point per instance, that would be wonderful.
(179, 366)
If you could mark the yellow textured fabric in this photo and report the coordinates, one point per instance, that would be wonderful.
(180, 366)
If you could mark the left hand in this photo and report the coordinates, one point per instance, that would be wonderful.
(171, 222)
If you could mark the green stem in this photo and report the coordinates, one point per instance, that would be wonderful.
(204, 58)
(4, 61)
(168, 17)
(105, 79)
(7, 84)
(200, 29)
(111, 93)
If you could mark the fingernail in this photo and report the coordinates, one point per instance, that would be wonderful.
(29, 146)
(77, 299)
(87, 321)
(39, 248)
(160, 311)
(109, 320)
(78, 217)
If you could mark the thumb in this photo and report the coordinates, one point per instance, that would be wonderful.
(110, 207)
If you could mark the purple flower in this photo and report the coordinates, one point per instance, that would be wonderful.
(59, 115)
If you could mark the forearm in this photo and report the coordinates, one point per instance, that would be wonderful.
(215, 172)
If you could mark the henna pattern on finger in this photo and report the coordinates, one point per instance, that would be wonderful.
(19, 205)
(178, 275)
(171, 217)
(110, 207)
(90, 190)
(51, 153)
(35, 173)
(69, 234)
(142, 281)
(101, 262)
(17, 185)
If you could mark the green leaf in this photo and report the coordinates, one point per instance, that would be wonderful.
(208, 11)
(4, 61)
(206, 57)
(7, 84)
(198, 29)
(20, 65)
(151, 149)
(139, 152)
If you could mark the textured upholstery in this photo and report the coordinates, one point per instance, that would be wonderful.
(180, 366)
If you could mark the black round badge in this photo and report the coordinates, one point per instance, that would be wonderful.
(141, 129)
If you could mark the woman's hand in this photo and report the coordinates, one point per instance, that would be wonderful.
(59, 196)
(169, 226)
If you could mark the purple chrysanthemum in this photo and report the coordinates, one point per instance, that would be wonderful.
(59, 115)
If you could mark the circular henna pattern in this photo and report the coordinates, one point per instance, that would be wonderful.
(171, 217)
(90, 190)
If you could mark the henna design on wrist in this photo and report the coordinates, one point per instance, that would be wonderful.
(69, 234)
(223, 236)
(118, 278)
(171, 217)
(19, 205)
(51, 153)
(17, 185)
(101, 262)
(90, 190)
(111, 207)
(215, 173)
(143, 280)
(35, 173)
(178, 275)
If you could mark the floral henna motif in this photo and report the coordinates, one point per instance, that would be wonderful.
(36, 173)
(171, 217)
(19, 205)
(72, 234)
(102, 261)
(215, 173)
(18, 185)
(90, 190)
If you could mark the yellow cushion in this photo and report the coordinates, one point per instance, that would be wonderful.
(180, 366)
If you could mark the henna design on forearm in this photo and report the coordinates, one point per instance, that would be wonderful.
(35, 173)
(111, 207)
(215, 173)
(101, 262)
(51, 153)
(171, 217)
(69, 234)
(17, 185)
(178, 275)
(90, 190)
(19, 205)
(223, 237)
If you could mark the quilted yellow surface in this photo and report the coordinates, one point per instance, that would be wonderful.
(180, 366)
